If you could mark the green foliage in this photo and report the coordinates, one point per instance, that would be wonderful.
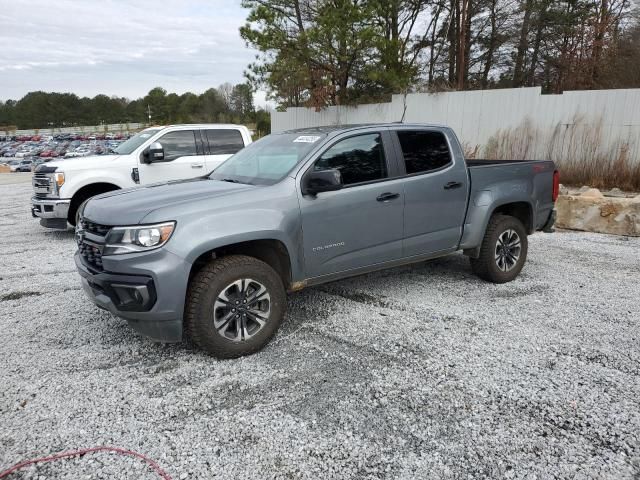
(242, 99)
(263, 122)
(327, 52)
(42, 109)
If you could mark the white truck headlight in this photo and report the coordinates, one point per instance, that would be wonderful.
(139, 238)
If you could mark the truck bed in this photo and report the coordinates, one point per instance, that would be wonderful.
(529, 182)
(479, 162)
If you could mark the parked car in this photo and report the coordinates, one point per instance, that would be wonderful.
(154, 155)
(214, 256)
(13, 164)
(78, 152)
(24, 166)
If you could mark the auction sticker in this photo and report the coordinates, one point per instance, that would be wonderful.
(307, 139)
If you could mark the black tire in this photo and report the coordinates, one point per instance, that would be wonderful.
(74, 208)
(76, 214)
(206, 289)
(491, 268)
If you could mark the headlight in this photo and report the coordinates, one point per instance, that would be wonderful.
(59, 178)
(139, 238)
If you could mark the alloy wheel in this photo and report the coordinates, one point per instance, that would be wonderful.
(508, 249)
(241, 310)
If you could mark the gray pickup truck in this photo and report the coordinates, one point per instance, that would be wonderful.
(214, 256)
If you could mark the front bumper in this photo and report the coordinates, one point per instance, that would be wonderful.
(148, 291)
(52, 212)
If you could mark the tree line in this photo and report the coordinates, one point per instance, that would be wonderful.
(328, 52)
(225, 104)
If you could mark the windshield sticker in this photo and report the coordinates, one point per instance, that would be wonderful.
(307, 139)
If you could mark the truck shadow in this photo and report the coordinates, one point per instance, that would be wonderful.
(310, 305)
(59, 235)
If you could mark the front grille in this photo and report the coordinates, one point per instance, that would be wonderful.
(91, 254)
(90, 238)
(42, 185)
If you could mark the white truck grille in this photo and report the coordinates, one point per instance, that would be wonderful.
(43, 185)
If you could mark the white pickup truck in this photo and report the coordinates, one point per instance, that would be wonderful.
(157, 154)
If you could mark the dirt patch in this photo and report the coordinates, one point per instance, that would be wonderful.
(18, 295)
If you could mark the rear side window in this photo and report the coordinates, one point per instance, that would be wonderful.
(359, 159)
(224, 141)
(424, 151)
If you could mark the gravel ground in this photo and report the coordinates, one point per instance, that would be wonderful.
(416, 372)
(14, 178)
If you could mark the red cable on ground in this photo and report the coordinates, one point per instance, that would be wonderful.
(74, 453)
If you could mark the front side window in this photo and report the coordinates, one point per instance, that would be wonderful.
(178, 144)
(359, 159)
(423, 151)
(224, 141)
(134, 142)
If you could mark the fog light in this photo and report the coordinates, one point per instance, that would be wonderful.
(130, 295)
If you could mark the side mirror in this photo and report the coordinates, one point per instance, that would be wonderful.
(322, 181)
(155, 153)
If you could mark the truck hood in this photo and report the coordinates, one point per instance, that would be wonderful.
(130, 206)
(82, 163)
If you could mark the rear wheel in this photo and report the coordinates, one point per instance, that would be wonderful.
(503, 251)
(234, 306)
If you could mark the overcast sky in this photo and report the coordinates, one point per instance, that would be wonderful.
(120, 47)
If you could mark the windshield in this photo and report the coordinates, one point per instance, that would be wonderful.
(134, 142)
(268, 160)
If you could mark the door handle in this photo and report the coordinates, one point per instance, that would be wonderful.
(385, 197)
(196, 165)
(451, 185)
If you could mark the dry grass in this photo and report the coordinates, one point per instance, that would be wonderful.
(581, 151)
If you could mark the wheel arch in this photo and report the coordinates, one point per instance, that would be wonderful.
(269, 250)
(522, 210)
(87, 191)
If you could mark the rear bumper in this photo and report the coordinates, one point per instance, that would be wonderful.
(52, 212)
(147, 294)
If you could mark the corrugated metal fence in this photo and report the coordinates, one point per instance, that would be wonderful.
(508, 123)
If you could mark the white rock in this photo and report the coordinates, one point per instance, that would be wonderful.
(592, 193)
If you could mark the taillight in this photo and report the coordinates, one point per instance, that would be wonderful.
(556, 185)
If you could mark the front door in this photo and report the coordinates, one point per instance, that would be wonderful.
(183, 158)
(360, 225)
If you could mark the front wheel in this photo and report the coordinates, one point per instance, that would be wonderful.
(234, 306)
(503, 251)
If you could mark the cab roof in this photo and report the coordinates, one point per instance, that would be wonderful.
(336, 129)
(198, 125)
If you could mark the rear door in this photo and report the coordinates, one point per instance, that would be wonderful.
(360, 225)
(183, 158)
(435, 189)
(220, 144)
